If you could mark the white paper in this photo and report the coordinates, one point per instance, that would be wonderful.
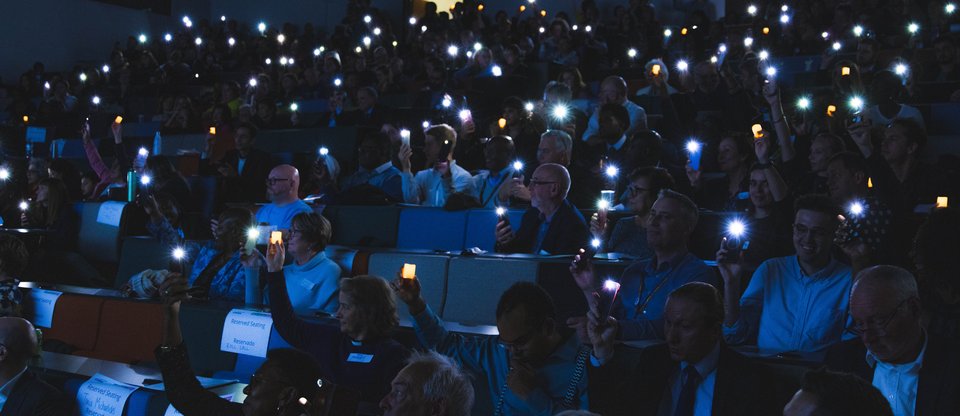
(110, 213)
(246, 332)
(44, 302)
(103, 396)
(171, 411)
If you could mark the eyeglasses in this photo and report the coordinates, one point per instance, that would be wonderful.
(539, 183)
(877, 325)
(274, 181)
(519, 342)
(800, 229)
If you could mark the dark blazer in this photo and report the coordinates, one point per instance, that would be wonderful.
(938, 390)
(567, 234)
(32, 396)
(633, 385)
(250, 185)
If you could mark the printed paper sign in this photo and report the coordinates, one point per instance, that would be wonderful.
(103, 396)
(246, 332)
(110, 213)
(44, 302)
(171, 411)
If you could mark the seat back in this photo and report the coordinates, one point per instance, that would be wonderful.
(137, 255)
(366, 226)
(76, 320)
(474, 286)
(431, 228)
(129, 331)
(100, 230)
(481, 224)
(431, 271)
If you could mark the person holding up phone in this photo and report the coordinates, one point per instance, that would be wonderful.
(431, 187)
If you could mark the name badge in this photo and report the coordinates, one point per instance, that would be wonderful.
(359, 358)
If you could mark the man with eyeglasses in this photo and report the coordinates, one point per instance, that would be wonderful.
(552, 225)
(795, 303)
(283, 185)
(531, 367)
(915, 370)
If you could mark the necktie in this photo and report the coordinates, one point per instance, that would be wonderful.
(688, 393)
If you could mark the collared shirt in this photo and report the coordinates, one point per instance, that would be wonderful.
(241, 162)
(386, 177)
(485, 355)
(790, 311)
(281, 215)
(638, 120)
(542, 231)
(703, 402)
(486, 186)
(898, 382)
(618, 144)
(429, 188)
(644, 289)
(8, 387)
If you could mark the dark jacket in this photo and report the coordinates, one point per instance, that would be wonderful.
(32, 396)
(249, 185)
(185, 392)
(938, 390)
(631, 385)
(567, 232)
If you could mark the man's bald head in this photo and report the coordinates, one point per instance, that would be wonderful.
(884, 280)
(283, 184)
(556, 172)
(18, 342)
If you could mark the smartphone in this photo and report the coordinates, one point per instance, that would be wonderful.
(735, 247)
(276, 237)
(655, 70)
(856, 118)
(585, 254)
(213, 131)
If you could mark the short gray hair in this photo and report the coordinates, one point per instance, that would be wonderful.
(443, 381)
(896, 279)
(564, 141)
(690, 210)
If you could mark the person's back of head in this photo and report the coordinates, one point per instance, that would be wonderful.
(18, 344)
(827, 393)
(534, 299)
(304, 391)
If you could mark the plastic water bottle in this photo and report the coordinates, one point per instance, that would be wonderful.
(131, 185)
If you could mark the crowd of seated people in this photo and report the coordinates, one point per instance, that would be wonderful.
(805, 145)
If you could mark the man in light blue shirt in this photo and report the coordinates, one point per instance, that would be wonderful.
(613, 90)
(376, 169)
(431, 187)
(283, 185)
(531, 368)
(645, 284)
(794, 303)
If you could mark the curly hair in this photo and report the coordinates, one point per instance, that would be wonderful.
(375, 303)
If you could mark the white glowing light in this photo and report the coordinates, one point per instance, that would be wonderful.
(836, 46)
(464, 114)
(631, 53)
(560, 112)
(145, 180)
(722, 48)
(24, 205)
(412, 20)
(950, 8)
(667, 33)
(281, 38)
(856, 208)
(496, 70)
(477, 46)
(682, 65)
(377, 31)
(367, 19)
(595, 243)
(913, 27)
(900, 69)
(294, 107)
(771, 72)
(587, 28)
(693, 146)
(764, 55)
(105, 68)
(4, 174)
(423, 29)
(858, 30)
(231, 41)
(747, 41)
(425, 124)
(46, 85)
(283, 60)
(447, 101)
(528, 106)
(542, 29)
(405, 133)
(501, 211)
(612, 171)
(358, 49)
(517, 165)
(187, 22)
(824, 35)
(323, 151)
(367, 41)
(575, 28)
(469, 54)
(167, 37)
(752, 9)
(603, 204)
(142, 38)
(453, 50)
(83, 77)
(337, 82)
(784, 18)
(223, 18)
(784, 8)
(803, 103)
(252, 82)
(95, 100)
(611, 285)
(856, 103)
(198, 41)
(179, 253)
(262, 27)
(268, 61)
(736, 228)
(143, 152)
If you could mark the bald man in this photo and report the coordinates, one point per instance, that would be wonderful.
(22, 392)
(283, 185)
(552, 225)
(916, 371)
(613, 90)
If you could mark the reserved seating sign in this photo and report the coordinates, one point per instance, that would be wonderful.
(246, 332)
(44, 302)
(103, 396)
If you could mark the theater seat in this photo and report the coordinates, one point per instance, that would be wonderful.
(76, 320)
(481, 224)
(98, 234)
(431, 228)
(474, 286)
(202, 325)
(345, 257)
(247, 364)
(365, 226)
(431, 271)
(139, 254)
(129, 331)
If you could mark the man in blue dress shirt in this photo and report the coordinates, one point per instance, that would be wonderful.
(376, 169)
(646, 283)
(793, 303)
(531, 367)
